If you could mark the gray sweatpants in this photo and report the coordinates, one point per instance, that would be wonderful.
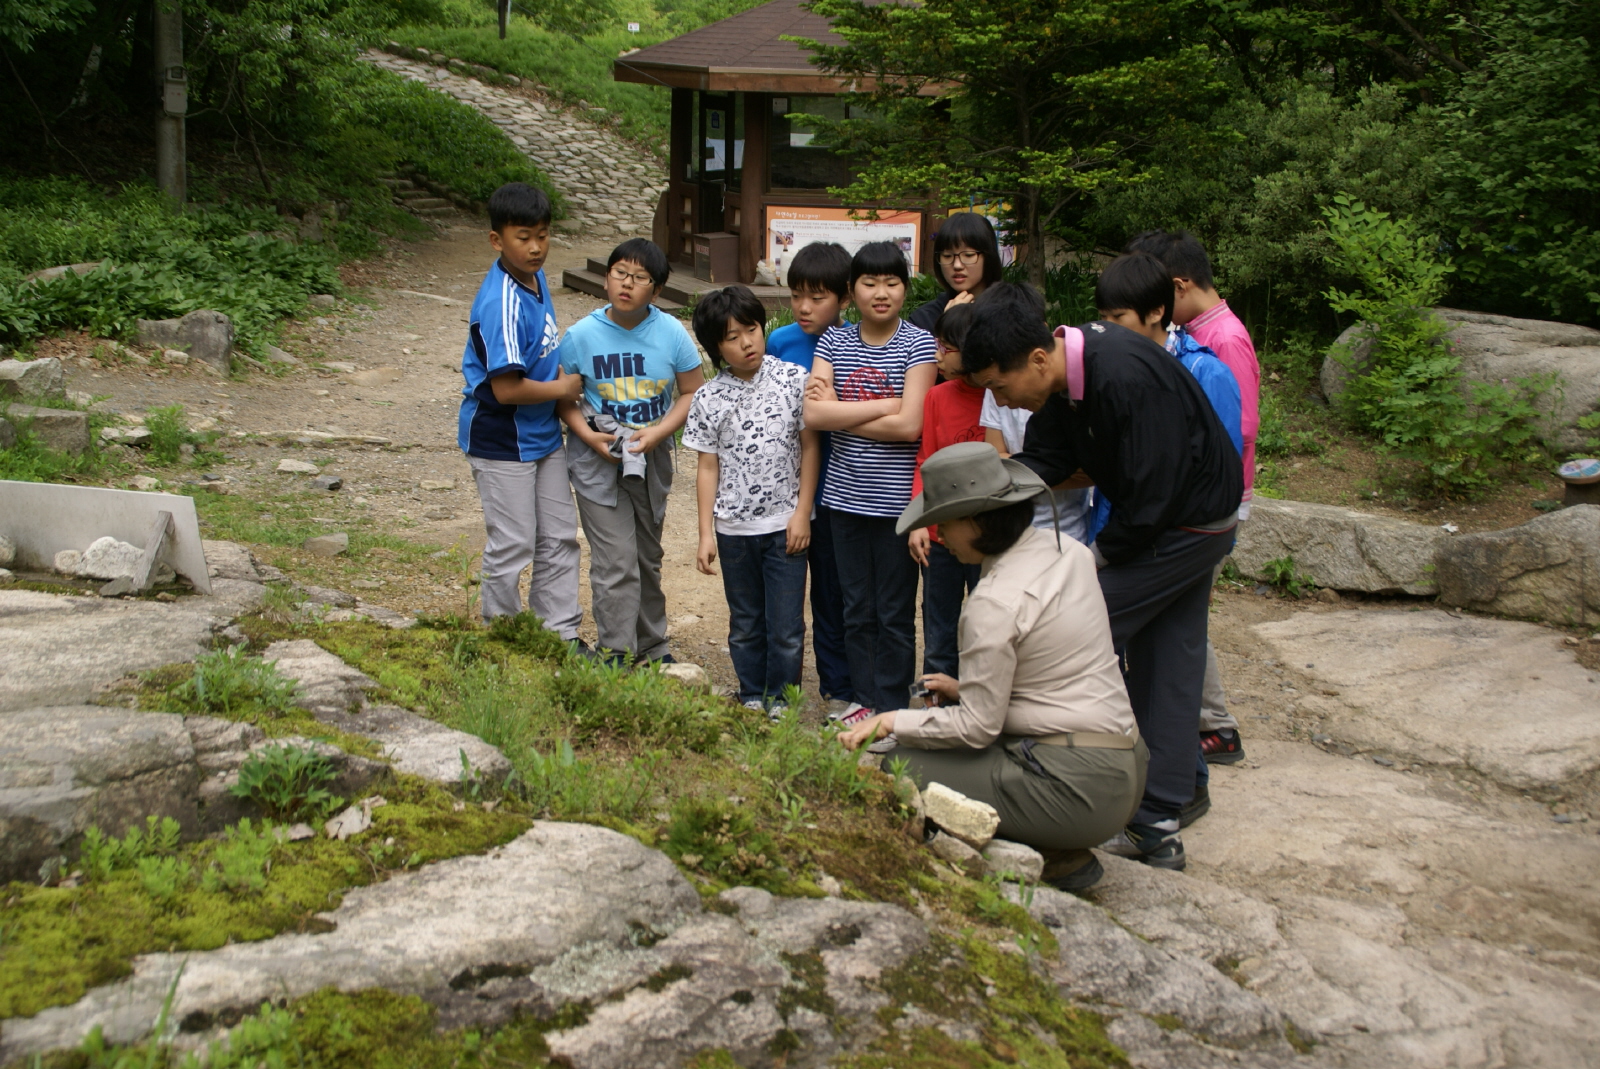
(630, 610)
(1214, 715)
(527, 510)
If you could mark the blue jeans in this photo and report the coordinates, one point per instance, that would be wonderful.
(766, 590)
(827, 612)
(878, 580)
(945, 584)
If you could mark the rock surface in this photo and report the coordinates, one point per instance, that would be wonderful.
(1340, 548)
(336, 694)
(230, 560)
(328, 545)
(1504, 698)
(1545, 569)
(33, 378)
(204, 335)
(60, 429)
(971, 821)
(1018, 861)
(1495, 349)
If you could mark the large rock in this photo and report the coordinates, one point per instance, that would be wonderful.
(1340, 548)
(60, 429)
(230, 560)
(1495, 349)
(1504, 698)
(204, 335)
(33, 378)
(452, 926)
(107, 558)
(337, 695)
(1545, 569)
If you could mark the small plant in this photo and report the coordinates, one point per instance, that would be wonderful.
(527, 633)
(287, 783)
(168, 434)
(721, 841)
(103, 855)
(163, 877)
(240, 862)
(1283, 574)
(228, 683)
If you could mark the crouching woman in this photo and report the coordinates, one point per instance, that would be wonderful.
(1039, 725)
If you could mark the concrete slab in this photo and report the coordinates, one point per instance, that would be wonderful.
(1502, 697)
(43, 519)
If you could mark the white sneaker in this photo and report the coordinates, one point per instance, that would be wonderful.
(755, 704)
(847, 715)
(778, 711)
(1120, 845)
(884, 745)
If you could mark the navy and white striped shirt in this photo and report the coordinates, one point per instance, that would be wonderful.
(867, 477)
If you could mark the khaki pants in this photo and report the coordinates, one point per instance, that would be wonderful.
(1084, 797)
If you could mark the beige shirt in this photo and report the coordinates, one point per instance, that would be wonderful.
(1036, 655)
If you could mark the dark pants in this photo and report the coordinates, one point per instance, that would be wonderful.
(1158, 608)
(945, 583)
(878, 581)
(827, 612)
(766, 589)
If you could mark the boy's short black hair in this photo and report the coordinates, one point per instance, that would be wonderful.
(1138, 281)
(1181, 251)
(879, 258)
(647, 254)
(821, 265)
(716, 307)
(971, 230)
(1007, 324)
(518, 204)
(953, 325)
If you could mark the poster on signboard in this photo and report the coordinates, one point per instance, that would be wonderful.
(790, 229)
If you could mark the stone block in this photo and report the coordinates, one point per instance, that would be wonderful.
(690, 675)
(297, 467)
(130, 436)
(971, 821)
(1017, 861)
(1545, 569)
(33, 378)
(230, 560)
(276, 355)
(205, 335)
(60, 429)
(949, 848)
(328, 545)
(1339, 547)
(111, 558)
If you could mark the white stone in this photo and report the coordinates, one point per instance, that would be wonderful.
(67, 561)
(1016, 860)
(328, 545)
(298, 467)
(175, 356)
(971, 821)
(8, 551)
(949, 848)
(437, 484)
(690, 675)
(145, 482)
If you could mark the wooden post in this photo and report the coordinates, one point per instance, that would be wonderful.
(172, 79)
(160, 531)
(753, 184)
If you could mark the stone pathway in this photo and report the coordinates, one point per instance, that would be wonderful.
(611, 185)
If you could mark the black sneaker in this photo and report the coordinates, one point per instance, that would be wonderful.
(1221, 747)
(1156, 847)
(1198, 807)
(1072, 870)
(580, 648)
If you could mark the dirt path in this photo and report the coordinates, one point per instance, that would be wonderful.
(1419, 915)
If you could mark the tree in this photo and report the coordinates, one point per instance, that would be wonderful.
(23, 20)
(1033, 102)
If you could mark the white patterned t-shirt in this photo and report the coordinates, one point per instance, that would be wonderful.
(754, 429)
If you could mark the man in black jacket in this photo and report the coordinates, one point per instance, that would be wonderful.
(1117, 408)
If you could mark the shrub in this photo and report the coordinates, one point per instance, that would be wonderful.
(228, 683)
(287, 783)
(722, 841)
(526, 632)
(603, 699)
(1408, 393)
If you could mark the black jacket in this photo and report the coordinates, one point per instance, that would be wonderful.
(928, 312)
(1147, 436)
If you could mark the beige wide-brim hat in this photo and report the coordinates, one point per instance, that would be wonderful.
(965, 479)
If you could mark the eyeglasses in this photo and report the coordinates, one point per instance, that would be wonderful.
(968, 257)
(624, 276)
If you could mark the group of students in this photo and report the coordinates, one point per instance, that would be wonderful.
(812, 443)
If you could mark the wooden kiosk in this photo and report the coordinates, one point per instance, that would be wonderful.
(745, 182)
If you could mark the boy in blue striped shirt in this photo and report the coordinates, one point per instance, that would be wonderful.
(867, 385)
(508, 426)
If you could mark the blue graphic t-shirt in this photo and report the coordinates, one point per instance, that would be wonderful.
(630, 375)
(511, 329)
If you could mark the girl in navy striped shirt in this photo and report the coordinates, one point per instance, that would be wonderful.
(867, 385)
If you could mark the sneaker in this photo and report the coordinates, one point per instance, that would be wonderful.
(839, 714)
(1198, 807)
(1222, 747)
(754, 705)
(834, 708)
(1071, 870)
(854, 715)
(884, 745)
(1158, 847)
(580, 648)
(777, 711)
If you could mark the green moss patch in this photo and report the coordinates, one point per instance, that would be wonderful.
(61, 941)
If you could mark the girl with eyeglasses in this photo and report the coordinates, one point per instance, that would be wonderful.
(966, 257)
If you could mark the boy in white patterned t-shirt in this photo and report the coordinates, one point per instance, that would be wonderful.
(755, 484)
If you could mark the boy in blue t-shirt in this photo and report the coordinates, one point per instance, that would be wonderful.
(638, 367)
(508, 427)
(819, 288)
(867, 385)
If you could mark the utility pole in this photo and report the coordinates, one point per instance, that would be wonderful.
(171, 151)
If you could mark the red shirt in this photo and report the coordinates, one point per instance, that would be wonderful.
(949, 415)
